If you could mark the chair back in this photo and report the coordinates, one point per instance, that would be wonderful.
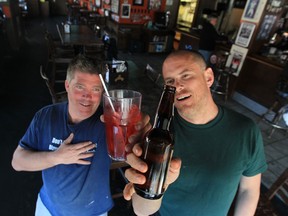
(55, 96)
(280, 188)
(51, 46)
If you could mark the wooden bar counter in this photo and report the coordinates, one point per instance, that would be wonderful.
(258, 79)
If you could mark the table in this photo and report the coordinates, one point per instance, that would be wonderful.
(80, 35)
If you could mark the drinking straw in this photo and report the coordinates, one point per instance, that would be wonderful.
(106, 91)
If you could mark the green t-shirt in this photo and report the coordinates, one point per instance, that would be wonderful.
(214, 157)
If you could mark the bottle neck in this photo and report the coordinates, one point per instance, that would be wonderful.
(165, 110)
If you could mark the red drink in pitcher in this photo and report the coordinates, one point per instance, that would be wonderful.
(118, 130)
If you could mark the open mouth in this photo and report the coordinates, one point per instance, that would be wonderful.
(85, 105)
(184, 97)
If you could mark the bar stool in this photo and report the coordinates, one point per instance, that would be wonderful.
(279, 119)
(222, 73)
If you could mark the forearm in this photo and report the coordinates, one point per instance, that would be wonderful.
(246, 203)
(27, 160)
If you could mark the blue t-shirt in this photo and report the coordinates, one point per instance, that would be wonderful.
(214, 158)
(71, 189)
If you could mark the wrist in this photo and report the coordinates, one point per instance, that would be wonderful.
(144, 207)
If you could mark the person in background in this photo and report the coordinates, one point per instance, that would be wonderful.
(209, 36)
(221, 151)
(66, 141)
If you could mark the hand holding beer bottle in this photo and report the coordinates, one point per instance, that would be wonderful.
(156, 151)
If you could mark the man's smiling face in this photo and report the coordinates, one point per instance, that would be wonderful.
(84, 95)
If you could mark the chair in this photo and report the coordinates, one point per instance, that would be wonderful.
(278, 119)
(56, 49)
(95, 51)
(279, 188)
(222, 73)
(55, 95)
(116, 73)
(58, 57)
(153, 75)
(117, 166)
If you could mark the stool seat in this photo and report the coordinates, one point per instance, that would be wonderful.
(277, 115)
(222, 73)
(221, 83)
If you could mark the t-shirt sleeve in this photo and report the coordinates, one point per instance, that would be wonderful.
(257, 163)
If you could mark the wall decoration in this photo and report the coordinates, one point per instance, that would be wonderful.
(154, 4)
(266, 27)
(98, 3)
(107, 2)
(115, 6)
(125, 10)
(169, 2)
(253, 10)
(275, 6)
(244, 34)
(236, 59)
(138, 2)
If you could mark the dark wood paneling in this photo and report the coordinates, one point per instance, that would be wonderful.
(258, 80)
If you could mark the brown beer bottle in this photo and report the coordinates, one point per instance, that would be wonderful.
(157, 148)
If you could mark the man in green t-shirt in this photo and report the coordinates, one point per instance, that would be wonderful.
(221, 152)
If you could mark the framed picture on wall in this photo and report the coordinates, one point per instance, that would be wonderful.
(236, 59)
(244, 34)
(115, 6)
(253, 10)
(154, 4)
(107, 2)
(138, 2)
(125, 10)
(266, 27)
(98, 3)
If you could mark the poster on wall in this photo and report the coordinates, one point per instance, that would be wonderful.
(107, 2)
(275, 6)
(266, 27)
(244, 34)
(125, 10)
(115, 6)
(154, 4)
(236, 59)
(98, 3)
(253, 10)
(138, 2)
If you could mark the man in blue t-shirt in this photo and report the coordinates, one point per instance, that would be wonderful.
(66, 141)
(221, 152)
